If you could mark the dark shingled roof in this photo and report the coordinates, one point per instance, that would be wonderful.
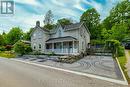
(72, 26)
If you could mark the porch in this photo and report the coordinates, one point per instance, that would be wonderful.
(62, 45)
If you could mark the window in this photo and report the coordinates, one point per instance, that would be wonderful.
(40, 34)
(48, 46)
(59, 33)
(34, 46)
(34, 34)
(40, 46)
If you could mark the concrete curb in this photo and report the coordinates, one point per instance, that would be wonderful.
(121, 71)
(75, 72)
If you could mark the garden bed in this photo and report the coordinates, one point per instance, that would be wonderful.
(70, 59)
(7, 54)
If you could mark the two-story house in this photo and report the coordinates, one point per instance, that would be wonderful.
(69, 39)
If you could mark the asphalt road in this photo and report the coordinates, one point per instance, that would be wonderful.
(17, 74)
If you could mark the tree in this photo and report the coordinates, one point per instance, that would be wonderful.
(119, 31)
(26, 36)
(49, 26)
(92, 21)
(2, 41)
(105, 34)
(22, 48)
(118, 14)
(14, 35)
(48, 18)
(65, 21)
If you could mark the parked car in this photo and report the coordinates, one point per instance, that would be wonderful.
(127, 45)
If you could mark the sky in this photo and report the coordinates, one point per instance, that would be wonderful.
(27, 12)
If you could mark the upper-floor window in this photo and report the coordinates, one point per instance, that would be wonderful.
(39, 34)
(34, 35)
(40, 46)
(34, 46)
(59, 33)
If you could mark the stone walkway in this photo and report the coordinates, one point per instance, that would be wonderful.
(97, 65)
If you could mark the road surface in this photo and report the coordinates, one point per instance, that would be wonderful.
(17, 74)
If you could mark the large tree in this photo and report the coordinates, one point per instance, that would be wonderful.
(48, 19)
(92, 20)
(14, 35)
(119, 31)
(119, 14)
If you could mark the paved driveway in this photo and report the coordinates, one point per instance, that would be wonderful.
(17, 74)
(98, 65)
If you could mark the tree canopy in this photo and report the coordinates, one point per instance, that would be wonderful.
(92, 20)
(14, 35)
(64, 21)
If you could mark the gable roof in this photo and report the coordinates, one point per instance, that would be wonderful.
(65, 28)
(38, 27)
(72, 26)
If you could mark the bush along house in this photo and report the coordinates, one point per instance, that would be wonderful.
(70, 39)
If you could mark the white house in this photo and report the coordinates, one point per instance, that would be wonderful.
(69, 39)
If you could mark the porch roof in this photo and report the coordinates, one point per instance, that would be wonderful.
(60, 39)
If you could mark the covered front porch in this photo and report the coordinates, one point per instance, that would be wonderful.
(66, 45)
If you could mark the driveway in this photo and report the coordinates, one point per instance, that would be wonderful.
(104, 66)
(18, 74)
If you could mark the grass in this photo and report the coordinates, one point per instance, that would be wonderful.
(7, 54)
(129, 52)
(122, 60)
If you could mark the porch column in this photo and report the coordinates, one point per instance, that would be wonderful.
(73, 47)
(62, 47)
(53, 47)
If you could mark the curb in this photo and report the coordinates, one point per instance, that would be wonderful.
(75, 72)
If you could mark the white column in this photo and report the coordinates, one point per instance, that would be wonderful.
(53, 47)
(73, 47)
(62, 47)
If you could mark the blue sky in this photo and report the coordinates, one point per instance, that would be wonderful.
(27, 12)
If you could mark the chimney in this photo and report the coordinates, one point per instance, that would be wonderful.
(38, 23)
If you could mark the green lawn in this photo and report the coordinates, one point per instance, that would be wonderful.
(7, 54)
(129, 52)
(122, 60)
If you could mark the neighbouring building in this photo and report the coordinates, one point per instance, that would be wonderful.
(69, 39)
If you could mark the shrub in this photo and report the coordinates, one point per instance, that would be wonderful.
(28, 48)
(51, 54)
(22, 48)
(115, 47)
(19, 48)
(99, 42)
(121, 51)
(2, 48)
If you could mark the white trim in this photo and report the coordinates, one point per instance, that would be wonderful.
(75, 72)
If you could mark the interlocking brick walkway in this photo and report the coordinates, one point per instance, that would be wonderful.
(98, 65)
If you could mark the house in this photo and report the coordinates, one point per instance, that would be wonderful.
(69, 39)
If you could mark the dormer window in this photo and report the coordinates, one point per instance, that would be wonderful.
(34, 35)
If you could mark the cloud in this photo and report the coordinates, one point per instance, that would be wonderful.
(27, 12)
